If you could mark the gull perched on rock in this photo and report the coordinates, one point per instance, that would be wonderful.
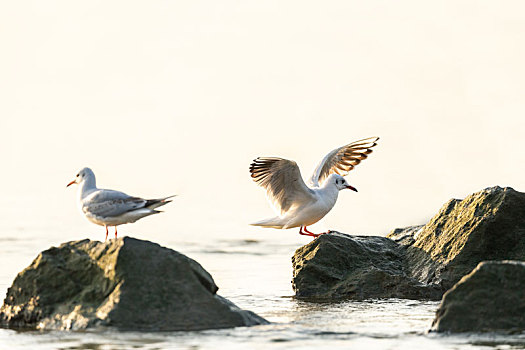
(111, 208)
(300, 205)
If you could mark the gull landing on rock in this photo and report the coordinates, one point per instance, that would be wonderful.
(300, 205)
(109, 207)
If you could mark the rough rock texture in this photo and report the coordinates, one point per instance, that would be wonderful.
(487, 225)
(490, 298)
(124, 283)
(337, 266)
(405, 236)
(417, 261)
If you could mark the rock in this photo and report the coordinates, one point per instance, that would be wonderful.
(490, 298)
(405, 236)
(125, 283)
(340, 266)
(487, 225)
(417, 261)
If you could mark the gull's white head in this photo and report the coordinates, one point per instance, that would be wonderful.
(83, 175)
(339, 182)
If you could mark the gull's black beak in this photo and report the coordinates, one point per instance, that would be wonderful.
(351, 188)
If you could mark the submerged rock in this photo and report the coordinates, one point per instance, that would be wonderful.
(125, 283)
(490, 298)
(417, 261)
(338, 266)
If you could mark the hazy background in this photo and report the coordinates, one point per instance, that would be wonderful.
(163, 97)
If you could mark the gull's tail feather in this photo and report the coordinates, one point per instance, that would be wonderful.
(155, 203)
(275, 222)
(138, 214)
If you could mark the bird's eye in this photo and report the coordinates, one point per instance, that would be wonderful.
(78, 175)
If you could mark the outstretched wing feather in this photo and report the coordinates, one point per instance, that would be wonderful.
(282, 180)
(343, 159)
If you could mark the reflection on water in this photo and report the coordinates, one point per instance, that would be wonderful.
(256, 274)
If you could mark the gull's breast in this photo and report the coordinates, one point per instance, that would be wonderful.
(106, 220)
(308, 215)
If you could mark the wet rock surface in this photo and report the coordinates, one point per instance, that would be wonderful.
(490, 298)
(125, 283)
(417, 262)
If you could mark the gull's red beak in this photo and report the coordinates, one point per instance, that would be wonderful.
(351, 188)
(72, 182)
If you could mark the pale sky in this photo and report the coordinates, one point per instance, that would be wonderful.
(162, 97)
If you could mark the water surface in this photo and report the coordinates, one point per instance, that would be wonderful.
(255, 274)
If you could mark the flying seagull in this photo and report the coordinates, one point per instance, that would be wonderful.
(111, 208)
(301, 205)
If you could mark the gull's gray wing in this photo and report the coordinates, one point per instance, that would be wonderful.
(109, 203)
(282, 180)
(343, 159)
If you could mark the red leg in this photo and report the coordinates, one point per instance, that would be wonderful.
(302, 233)
(306, 232)
(106, 234)
(115, 231)
(313, 234)
(310, 233)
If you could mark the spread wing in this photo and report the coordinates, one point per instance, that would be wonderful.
(283, 182)
(111, 203)
(343, 159)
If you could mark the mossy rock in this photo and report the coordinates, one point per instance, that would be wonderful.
(125, 283)
(487, 225)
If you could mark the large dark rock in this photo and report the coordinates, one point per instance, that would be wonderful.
(487, 225)
(125, 283)
(490, 298)
(417, 261)
(338, 266)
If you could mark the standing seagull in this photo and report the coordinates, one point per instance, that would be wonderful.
(300, 205)
(111, 208)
